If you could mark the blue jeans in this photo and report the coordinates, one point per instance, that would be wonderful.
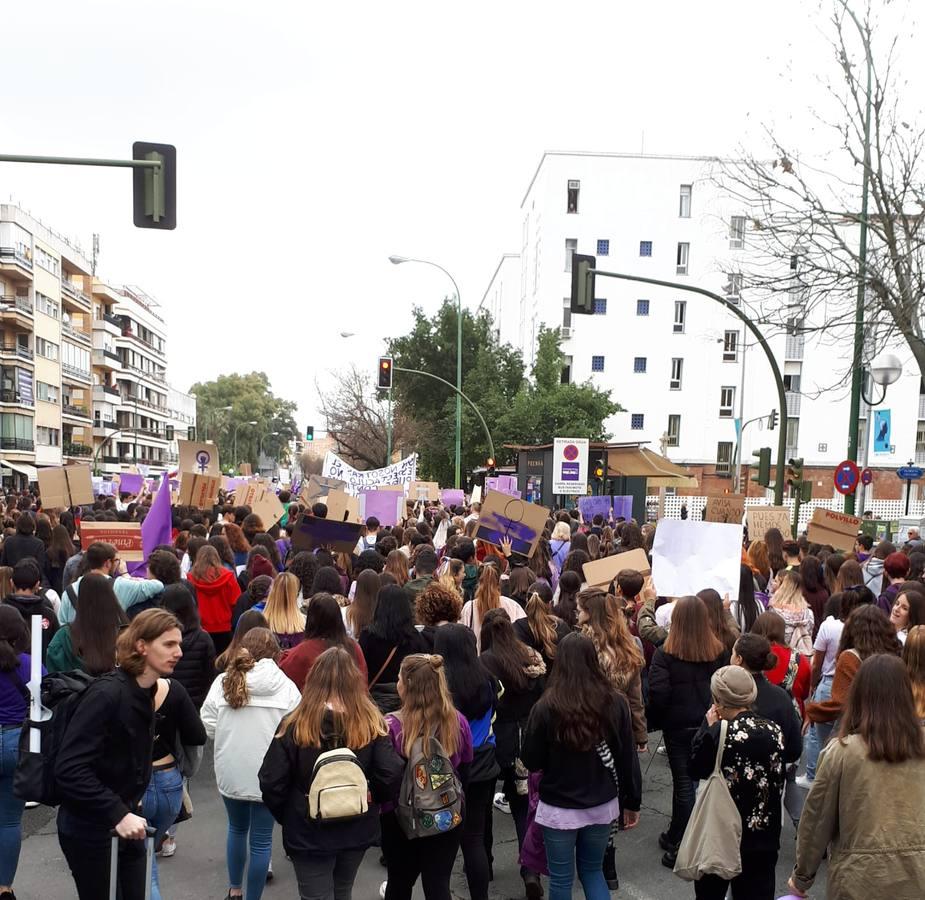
(819, 732)
(250, 828)
(160, 807)
(584, 846)
(10, 807)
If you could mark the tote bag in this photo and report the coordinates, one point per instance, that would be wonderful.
(712, 841)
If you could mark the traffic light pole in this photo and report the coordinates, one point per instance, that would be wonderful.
(778, 378)
(388, 433)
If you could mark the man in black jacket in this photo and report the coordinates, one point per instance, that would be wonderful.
(28, 599)
(24, 544)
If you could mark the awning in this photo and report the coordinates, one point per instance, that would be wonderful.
(642, 463)
(23, 468)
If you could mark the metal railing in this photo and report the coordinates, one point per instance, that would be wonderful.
(21, 352)
(69, 329)
(71, 449)
(74, 372)
(68, 287)
(14, 397)
(71, 410)
(8, 443)
(793, 403)
(15, 254)
(920, 455)
(106, 389)
(152, 375)
(113, 320)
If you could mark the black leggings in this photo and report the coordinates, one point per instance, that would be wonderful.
(518, 804)
(431, 858)
(756, 882)
(475, 826)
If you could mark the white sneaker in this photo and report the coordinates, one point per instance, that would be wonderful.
(662, 749)
(169, 847)
(382, 888)
(502, 804)
(803, 782)
(32, 804)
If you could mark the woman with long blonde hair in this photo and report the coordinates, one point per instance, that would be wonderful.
(452, 577)
(488, 597)
(541, 630)
(335, 711)
(281, 609)
(914, 658)
(426, 709)
(790, 604)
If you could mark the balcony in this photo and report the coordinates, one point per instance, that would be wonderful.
(80, 412)
(129, 333)
(77, 450)
(18, 351)
(919, 455)
(794, 345)
(17, 309)
(793, 403)
(72, 291)
(15, 398)
(105, 393)
(107, 360)
(73, 372)
(16, 262)
(921, 406)
(73, 332)
(152, 376)
(8, 443)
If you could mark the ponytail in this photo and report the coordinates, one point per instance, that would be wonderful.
(542, 625)
(234, 686)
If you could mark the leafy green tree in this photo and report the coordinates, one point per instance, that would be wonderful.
(232, 402)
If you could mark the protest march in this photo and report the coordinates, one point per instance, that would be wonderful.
(383, 670)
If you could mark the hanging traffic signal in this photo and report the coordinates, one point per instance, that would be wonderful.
(582, 299)
(169, 432)
(772, 420)
(598, 470)
(191, 433)
(154, 190)
(763, 475)
(795, 472)
(385, 373)
(490, 467)
(309, 432)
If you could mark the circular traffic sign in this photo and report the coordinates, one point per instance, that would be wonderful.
(867, 476)
(847, 476)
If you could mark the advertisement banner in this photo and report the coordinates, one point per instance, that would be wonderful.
(400, 473)
(883, 430)
(570, 466)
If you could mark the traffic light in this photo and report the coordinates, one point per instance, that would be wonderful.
(490, 467)
(191, 433)
(763, 475)
(385, 373)
(154, 190)
(598, 470)
(582, 301)
(772, 421)
(806, 491)
(168, 432)
(795, 472)
(309, 432)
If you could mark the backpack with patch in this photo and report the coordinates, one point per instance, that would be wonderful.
(430, 801)
(801, 639)
(339, 790)
(34, 779)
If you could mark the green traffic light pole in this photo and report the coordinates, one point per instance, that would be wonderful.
(778, 378)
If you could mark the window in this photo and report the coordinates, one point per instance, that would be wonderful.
(571, 247)
(75, 357)
(600, 306)
(47, 437)
(45, 348)
(565, 376)
(645, 248)
(47, 392)
(730, 346)
(684, 210)
(734, 286)
(603, 248)
(46, 305)
(567, 312)
(680, 316)
(793, 435)
(677, 369)
(674, 430)
(642, 307)
(47, 261)
(637, 421)
(573, 188)
(15, 432)
(736, 232)
(724, 458)
(792, 382)
(639, 364)
(684, 251)
(727, 399)
(597, 363)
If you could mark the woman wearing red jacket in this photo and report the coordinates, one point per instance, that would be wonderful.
(217, 592)
(793, 672)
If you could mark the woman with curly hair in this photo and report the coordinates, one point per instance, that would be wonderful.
(436, 605)
(304, 566)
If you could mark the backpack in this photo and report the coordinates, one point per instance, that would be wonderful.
(801, 639)
(430, 800)
(34, 778)
(339, 790)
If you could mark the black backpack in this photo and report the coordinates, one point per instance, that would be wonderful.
(34, 779)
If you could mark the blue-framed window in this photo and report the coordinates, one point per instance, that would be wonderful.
(603, 248)
(597, 363)
(642, 307)
(600, 306)
(637, 421)
(645, 248)
(639, 364)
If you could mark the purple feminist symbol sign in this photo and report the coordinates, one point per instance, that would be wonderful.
(203, 458)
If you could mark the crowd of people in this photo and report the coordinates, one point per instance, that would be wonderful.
(397, 695)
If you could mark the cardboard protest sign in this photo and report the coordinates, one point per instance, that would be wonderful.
(318, 487)
(453, 497)
(690, 556)
(63, 486)
(623, 507)
(268, 508)
(837, 529)
(589, 507)
(310, 533)
(476, 494)
(199, 491)
(729, 509)
(601, 572)
(124, 536)
(424, 490)
(760, 519)
(342, 507)
(245, 470)
(129, 483)
(198, 457)
(245, 494)
(503, 516)
(386, 506)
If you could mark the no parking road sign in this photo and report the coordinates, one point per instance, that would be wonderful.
(847, 476)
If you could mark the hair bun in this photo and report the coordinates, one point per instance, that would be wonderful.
(770, 662)
(436, 661)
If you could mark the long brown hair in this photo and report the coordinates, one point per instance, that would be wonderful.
(426, 705)
(868, 631)
(334, 684)
(542, 624)
(607, 627)
(258, 644)
(360, 613)
(208, 565)
(236, 539)
(282, 606)
(690, 637)
(396, 563)
(914, 658)
(758, 558)
(488, 592)
(718, 620)
(881, 709)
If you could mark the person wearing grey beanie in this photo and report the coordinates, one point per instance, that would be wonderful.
(753, 766)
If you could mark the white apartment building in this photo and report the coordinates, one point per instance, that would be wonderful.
(680, 365)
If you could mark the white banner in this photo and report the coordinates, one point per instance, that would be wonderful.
(690, 556)
(402, 472)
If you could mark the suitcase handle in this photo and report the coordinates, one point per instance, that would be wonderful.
(114, 862)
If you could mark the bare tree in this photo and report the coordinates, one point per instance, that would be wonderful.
(802, 219)
(310, 463)
(357, 419)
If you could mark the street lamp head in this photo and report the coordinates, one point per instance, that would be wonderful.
(225, 408)
(397, 260)
(251, 423)
(886, 369)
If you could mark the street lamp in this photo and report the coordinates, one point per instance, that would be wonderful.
(236, 427)
(885, 369)
(397, 260)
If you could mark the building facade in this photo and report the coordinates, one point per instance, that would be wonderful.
(685, 370)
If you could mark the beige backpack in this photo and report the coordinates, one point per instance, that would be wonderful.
(339, 790)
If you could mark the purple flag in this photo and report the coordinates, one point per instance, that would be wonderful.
(156, 528)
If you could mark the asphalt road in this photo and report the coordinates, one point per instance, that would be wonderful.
(197, 871)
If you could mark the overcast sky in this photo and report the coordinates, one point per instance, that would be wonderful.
(316, 139)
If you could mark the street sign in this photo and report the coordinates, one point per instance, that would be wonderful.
(867, 476)
(910, 473)
(847, 476)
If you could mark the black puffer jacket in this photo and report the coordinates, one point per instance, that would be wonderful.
(679, 691)
(21, 546)
(196, 669)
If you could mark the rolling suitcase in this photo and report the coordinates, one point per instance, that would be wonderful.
(114, 863)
